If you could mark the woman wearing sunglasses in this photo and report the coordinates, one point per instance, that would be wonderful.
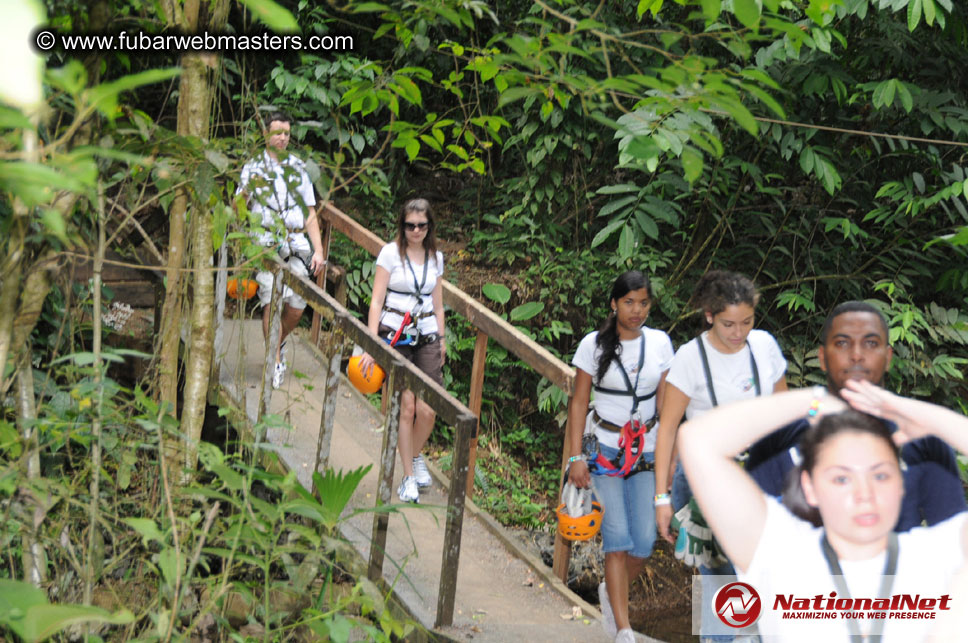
(407, 310)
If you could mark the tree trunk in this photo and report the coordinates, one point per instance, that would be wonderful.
(194, 116)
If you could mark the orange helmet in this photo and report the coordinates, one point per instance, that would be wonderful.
(579, 515)
(362, 383)
(242, 288)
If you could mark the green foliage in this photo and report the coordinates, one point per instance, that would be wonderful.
(25, 610)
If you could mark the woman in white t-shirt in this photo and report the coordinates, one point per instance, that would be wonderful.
(729, 361)
(850, 482)
(625, 363)
(407, 310)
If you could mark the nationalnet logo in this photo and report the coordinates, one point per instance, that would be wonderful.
(737, 604)
(897, 606)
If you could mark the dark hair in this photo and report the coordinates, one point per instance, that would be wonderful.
(607, 339)
(813, 439)
(280, 116)
(430, 241)
(718, 289)
(852, 307)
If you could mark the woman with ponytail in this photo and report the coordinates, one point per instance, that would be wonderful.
(613, 437)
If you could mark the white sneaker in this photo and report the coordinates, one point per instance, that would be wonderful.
(278, 373)
(625, 636)
(408, 491)
(608, 617)
(420, 472)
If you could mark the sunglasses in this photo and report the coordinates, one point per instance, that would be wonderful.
(416, 226)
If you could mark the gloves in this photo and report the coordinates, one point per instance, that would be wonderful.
(696, 545)
(578, 502)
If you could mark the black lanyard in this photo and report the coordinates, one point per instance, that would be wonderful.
(887, 582)
(419, 286)
(709, 377)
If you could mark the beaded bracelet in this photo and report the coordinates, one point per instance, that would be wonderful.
(662, 499)
(818, 393)
(574, 458)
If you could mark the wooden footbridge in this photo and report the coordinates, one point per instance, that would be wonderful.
(450, 566)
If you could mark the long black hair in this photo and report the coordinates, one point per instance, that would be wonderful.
(607, 339)
(718, 289)
(829, 426)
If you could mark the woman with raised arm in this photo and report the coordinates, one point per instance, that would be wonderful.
(729, 361)
(613, 439)
(831, 548)
(407, 310)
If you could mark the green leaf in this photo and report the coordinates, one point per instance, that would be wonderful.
(626, 242)
(368, 7)
(335, 490)
(646, 223)
(711, 9)
(526, 311)
(692, 162)
(904, 94)
(747, 12)
(497, 292)
(216, 158)
(105, 96)
(512, 94)
(913, 14)
(929, 11)
(607, 231)
(272, 15)
(147, 528)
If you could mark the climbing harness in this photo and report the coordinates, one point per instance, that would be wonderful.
(709, 377)
(631, 442)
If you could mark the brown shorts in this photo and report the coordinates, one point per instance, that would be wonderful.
(426, 356)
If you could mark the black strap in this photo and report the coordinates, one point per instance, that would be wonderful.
(887, 582)
(630, 388)
(418, 287)
(709, 376)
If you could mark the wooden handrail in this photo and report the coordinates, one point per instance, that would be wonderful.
(488, 325)
(479, 315)
(401, 373)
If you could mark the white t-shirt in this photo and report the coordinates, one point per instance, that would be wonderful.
(617, 408)
(731, 373)
(789, 561)
(401, 289)
(281, 193)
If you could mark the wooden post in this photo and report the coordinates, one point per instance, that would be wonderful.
(477, 394)
(562, 554)
(450, 558)
(326, 232)
(378, 539)
(221, 285)
(335, 347)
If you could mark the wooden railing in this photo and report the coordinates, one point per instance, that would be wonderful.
(488, 326)
(401, 375)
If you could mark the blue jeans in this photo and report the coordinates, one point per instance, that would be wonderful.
(710, 626)
(628, 523)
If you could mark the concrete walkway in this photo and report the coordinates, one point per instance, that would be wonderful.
(503, 592)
